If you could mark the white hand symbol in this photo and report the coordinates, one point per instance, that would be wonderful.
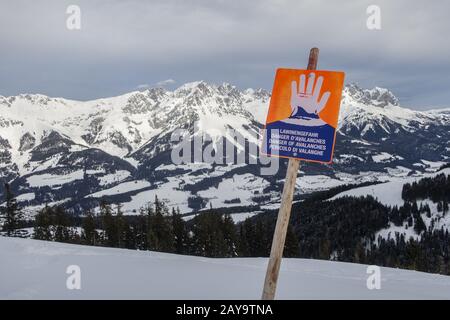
(308, 99)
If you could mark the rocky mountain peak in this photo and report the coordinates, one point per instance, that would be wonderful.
(379, 97)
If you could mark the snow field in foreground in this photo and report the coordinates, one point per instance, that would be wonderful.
(33, 269)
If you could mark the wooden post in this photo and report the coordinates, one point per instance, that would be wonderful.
(279, 237)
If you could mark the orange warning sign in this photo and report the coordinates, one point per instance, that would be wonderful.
(303, 114)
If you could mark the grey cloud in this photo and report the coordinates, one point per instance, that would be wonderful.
(164, 83)
(125, 43)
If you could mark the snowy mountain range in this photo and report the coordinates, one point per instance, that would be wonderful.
(74, 153)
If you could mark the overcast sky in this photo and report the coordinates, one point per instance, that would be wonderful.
(125, 45)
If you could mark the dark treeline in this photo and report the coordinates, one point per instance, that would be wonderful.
(156, 228)
(210, 233)
(345, 229)
(436, 189)
(429, 254)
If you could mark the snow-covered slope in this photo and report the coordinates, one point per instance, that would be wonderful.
(33, 269)
(60, 151)
(390, 194)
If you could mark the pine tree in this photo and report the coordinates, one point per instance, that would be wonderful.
(141, 230)
(229, 235)
(325, 249)
(179, 231)
(120, 226)
(109, 225)
(129, 240)
(248, 239)
(261, 242)
(359, 253)
(243, 247)
(445, 207)
(291, 247)
(61, 225)
(11, 214)
(208, 240)
(160, 233)
(152, 238)
(419, 226)
(89, 234)
(43, 224)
